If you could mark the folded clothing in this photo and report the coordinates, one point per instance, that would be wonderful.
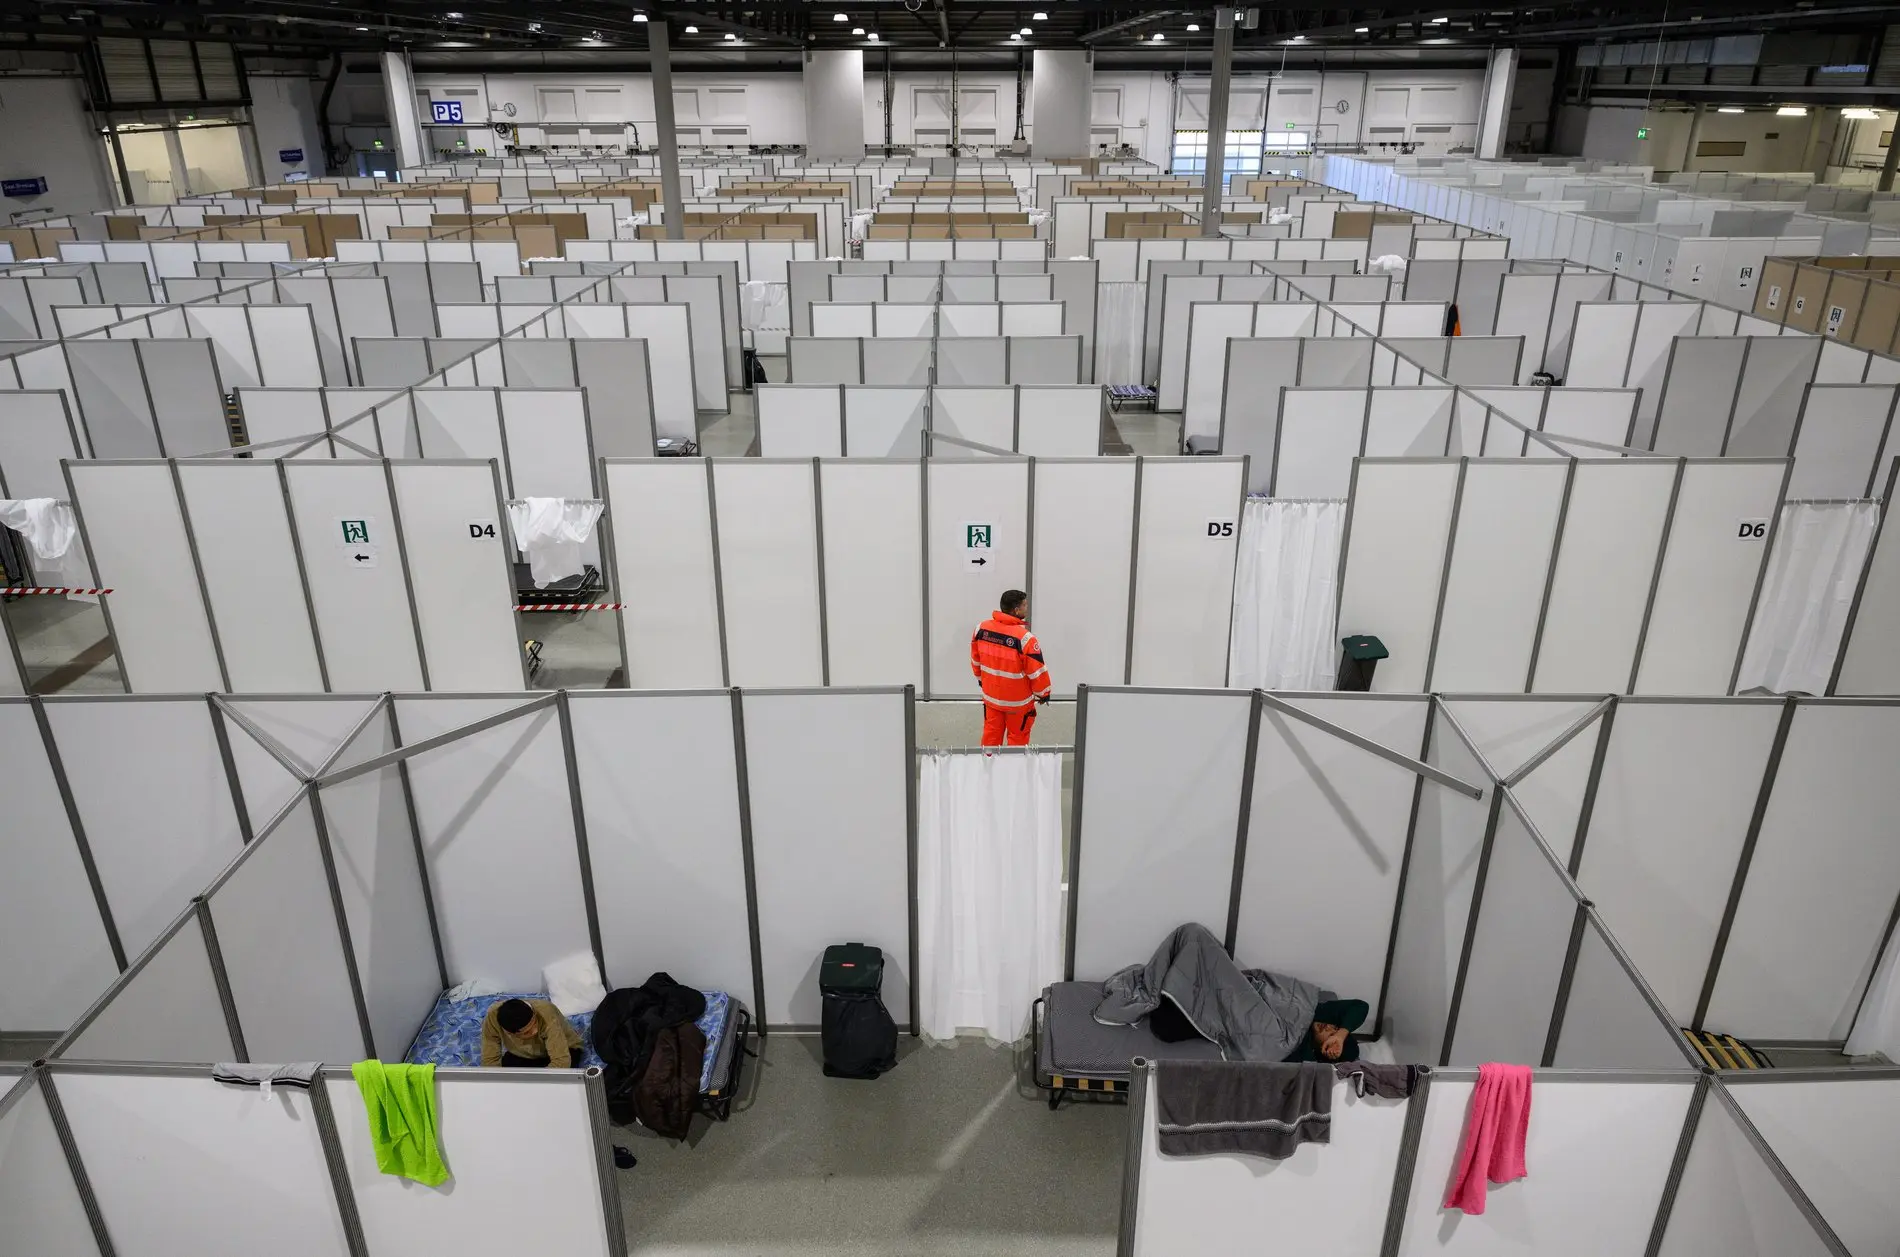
(300, 1074)
(1257, 1108)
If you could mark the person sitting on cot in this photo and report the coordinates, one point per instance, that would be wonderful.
(528, 1034)
(1333, 1035)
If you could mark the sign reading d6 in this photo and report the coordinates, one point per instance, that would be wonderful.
(1752, 530)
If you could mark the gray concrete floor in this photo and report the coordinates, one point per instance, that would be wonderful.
(950, 1153)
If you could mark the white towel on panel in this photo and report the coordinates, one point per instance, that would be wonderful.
(52, 533)
(765, 306)
(551, 532)
(1820, 549)
(989, 889)
(1286, 585)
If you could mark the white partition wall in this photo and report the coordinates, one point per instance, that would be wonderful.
(138, 544)
(497, 829)
(1835, 1135)
(1867, 663)
(1082, 554)
(1394, 561)
(773, 609)
(167, 1007)
(976, 546)
(38, 1195)
(1187, 525)
(456, 536)
(1509, 514)
(660, 796)
(670, 637)
(1156, 816)
(1730, 1199)
(833, 851)
(873, 565)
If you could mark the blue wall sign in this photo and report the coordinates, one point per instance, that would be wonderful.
(290, 156)
(446, 111)
(35, 186)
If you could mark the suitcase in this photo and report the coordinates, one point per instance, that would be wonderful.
(858, 1034)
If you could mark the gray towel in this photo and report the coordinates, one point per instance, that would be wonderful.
(299, 1074)
(1261, 1109)
(1387, 1082)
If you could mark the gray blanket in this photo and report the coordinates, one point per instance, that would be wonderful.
(1251, 1015)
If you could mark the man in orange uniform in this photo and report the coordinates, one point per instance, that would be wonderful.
(1007, 661)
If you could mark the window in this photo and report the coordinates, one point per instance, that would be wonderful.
(1288, 141)
(1190, 154)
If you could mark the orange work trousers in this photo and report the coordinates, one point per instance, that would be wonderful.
(1013, 723)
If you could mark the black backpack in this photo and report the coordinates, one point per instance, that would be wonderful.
(859, 1036)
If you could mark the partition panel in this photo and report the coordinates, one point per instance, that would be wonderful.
(669, 343)
(800, 420)
(1508, 517)
(1329, 827)
(1768, 397)
(1686, 770)
(139, 546)
(1400, 519)
(1083, 549)
(498, 834)
(768, 566)
(1838, 1138)
(1409, 422)
(1321, 1195)
(109, 389)
(307, 729)
(461, 552)
(977, 547)
(659, 791)
(253, 574)
(1511, 979)
(1607, 1021)
(896, 360)
(1605, 567)
(1838, 438)
(54, 953)
(1711, 573)
(1056, 421)
(1156, 817)
(1815, 908)
(366, 626)
(1867, 664)
(1441, 863)
(1600, 346)
(826, 360)
(1729, 1200)
(151, 791)
(550, 450)
(165, 1154)
(38, 1196)
(873, 565)
(1698, 395)
(828, 774)
(380, 879)
(1576, 1202)
(671, 634)
(1212, 326)
(459, 423)
(500, 1201)
(883, 422)
(277, 933)
(1187, 532)
(167, 1008)
(984, 415)
(1320, 433)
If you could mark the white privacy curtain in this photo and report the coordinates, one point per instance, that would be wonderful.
(1877, 1029)
(1820, 549)
(989, 889)
(1286, 591)
(1121, 313)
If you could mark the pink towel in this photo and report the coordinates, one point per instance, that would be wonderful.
(1495, 1130)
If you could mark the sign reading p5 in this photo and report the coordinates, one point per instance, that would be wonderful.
(446, 112)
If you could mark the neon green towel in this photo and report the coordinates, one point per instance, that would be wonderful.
(400, 1103)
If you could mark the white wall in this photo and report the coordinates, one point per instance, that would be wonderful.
(919, 101)
(1609, 134)
(767, 108)
(43, 122)
(284, 115)
(1138, 108)
(833, 86)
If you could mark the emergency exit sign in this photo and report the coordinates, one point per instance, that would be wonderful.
(1642, 133)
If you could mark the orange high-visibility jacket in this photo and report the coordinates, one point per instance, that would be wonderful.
(1007, 661)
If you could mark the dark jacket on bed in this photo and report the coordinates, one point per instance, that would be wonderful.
(651, 1053)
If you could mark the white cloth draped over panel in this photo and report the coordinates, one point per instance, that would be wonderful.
(989, 889)
(552, 532)
(52, 532)
(1121, 322)
(1286, 595)
(1820, 549)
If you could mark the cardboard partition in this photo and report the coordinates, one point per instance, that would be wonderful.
(830, 779)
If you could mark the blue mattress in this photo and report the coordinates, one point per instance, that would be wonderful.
(452, 1034)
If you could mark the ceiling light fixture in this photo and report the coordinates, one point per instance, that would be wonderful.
(362, 28)
(1858, 114)
(1730, 109)
(1039, 17)
(730, 35)
(1362, 30)
(453, 16)
(1440, 21)
(1792, 111)
(1025, 31)
(1158, 37)
(639, 17)
(839, 17)
(1193, 26)
(692, 30)
(534, 26)
(857, 30)
(1015, 37)
(872, 37)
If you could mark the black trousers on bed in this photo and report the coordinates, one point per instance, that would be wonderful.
(510, 1061)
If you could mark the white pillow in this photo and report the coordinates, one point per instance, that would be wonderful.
(574, 984)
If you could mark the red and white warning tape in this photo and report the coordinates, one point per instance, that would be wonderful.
(572, 606)
(10, 590)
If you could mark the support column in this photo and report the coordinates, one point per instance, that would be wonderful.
(1494, 119)
(834, 105)
(672, 205)
(1060, 83)
(1892, 162)
(1695, 134)
(1217, 120)
(399, 89)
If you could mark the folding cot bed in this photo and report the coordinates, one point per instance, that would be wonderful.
(1075, 1054)
(452, 1035)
